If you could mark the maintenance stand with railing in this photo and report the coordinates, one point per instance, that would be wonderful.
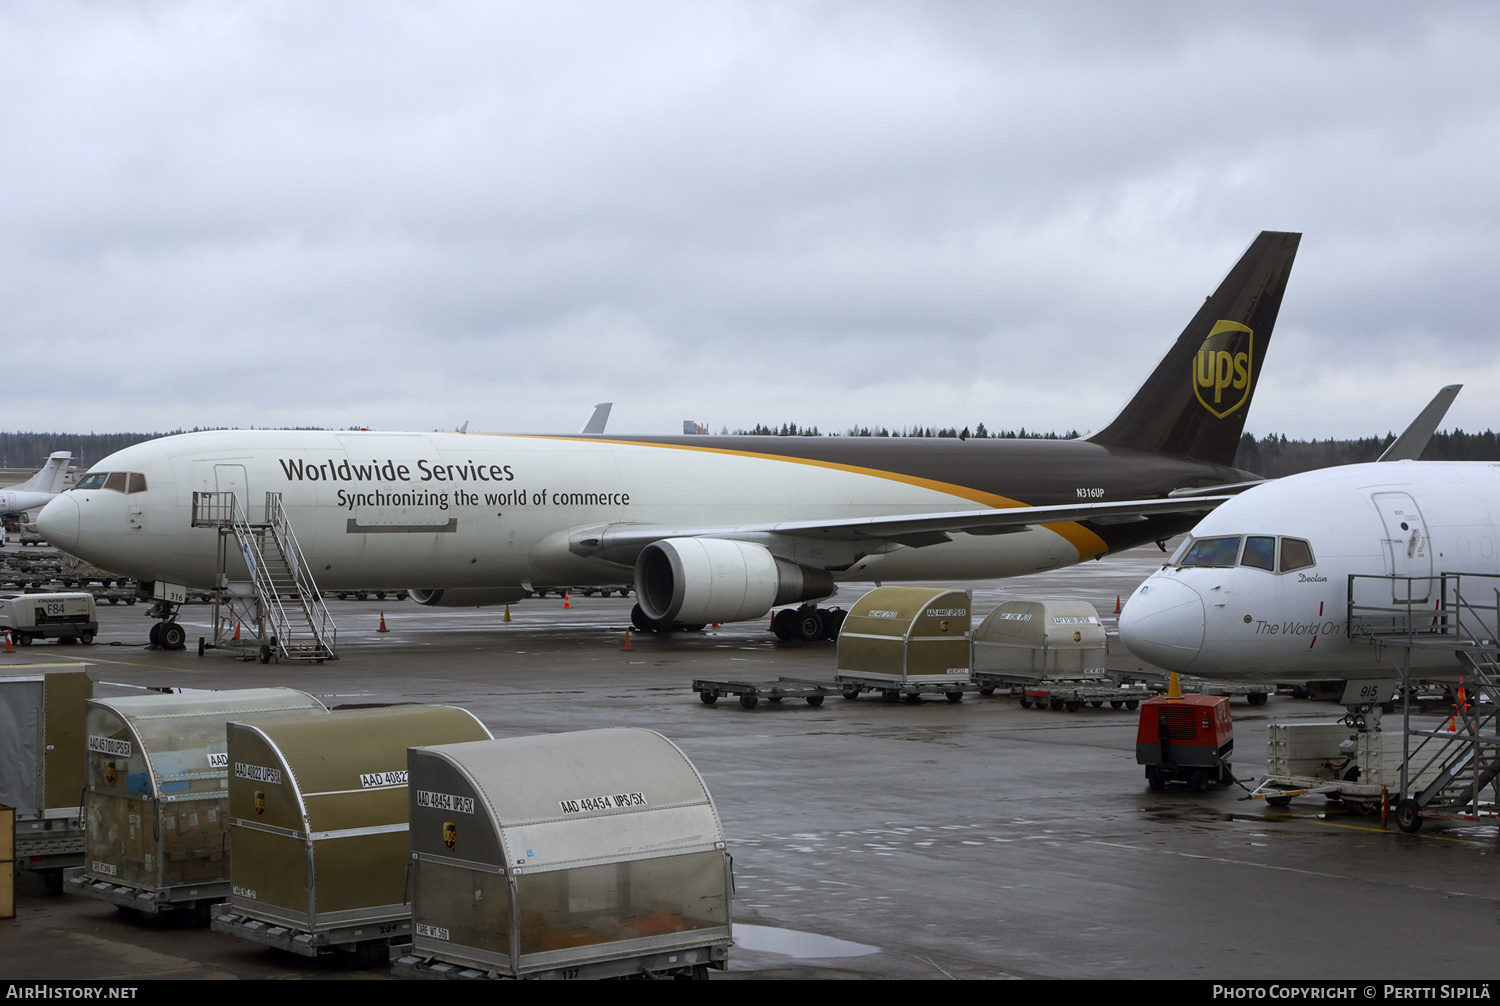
(1451, 772)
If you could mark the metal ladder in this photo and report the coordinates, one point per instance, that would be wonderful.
(284, 605)
(1447, 771)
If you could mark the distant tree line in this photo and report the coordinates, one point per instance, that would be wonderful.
(979, 432)
(1275, 456)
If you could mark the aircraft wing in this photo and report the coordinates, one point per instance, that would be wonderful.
(915, 530)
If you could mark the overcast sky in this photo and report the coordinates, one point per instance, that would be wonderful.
(405, 216)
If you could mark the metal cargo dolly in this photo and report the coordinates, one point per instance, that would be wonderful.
(751, 692)
(41, 764)
(595, 854)
(156, 802)
(318, 828)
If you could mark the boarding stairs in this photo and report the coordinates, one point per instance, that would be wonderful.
(1453, 771)
(280, 601)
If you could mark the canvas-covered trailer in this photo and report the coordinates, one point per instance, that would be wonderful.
(156, 803)
(41, 763)
(593, 854)
(905, 641)
(318, 827)
(1041, 639)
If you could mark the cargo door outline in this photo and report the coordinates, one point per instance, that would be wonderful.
(1406, 546)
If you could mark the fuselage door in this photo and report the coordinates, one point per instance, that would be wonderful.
(231, 479)
(1408, 550)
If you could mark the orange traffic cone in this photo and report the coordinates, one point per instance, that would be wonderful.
(507, 612)
(625, 647)
(567, 603)
(382, 624)
(1117, 604)
(236, 630)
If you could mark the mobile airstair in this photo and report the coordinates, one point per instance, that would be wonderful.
(1452, 771)
(280, 604)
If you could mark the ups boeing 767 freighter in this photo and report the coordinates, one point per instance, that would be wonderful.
(713, 529)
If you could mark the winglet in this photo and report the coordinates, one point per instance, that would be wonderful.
(1410, 444)
(596, 422)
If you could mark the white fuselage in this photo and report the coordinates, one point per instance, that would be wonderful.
(1379, 534)
(392, 510)
(21, 500)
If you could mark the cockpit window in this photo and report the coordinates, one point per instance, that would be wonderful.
(120, 482)
(1295, 554)
(1213, 552)
(1260, 552)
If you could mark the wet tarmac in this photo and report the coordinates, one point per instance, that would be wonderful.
(870, 840)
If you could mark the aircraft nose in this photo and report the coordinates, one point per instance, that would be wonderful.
(1163, 623)
(58, 522)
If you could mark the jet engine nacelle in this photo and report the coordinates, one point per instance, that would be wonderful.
(468, 597)
(701, 580)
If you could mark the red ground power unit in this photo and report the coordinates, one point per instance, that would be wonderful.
(1187, 740)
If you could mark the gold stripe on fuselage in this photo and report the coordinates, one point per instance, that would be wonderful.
(1088, 544)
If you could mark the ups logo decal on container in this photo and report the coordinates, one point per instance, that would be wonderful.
(450, 835)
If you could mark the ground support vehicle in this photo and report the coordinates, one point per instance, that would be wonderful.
(68, 617)
(751, 692)
(1071, 694)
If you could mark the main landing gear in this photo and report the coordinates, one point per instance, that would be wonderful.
(808, 623)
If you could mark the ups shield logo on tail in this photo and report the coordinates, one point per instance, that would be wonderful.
(1222, 368)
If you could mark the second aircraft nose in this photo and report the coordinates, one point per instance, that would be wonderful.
(1163, 623)
(58, 522)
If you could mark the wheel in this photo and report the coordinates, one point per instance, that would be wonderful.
(749, 701)
(23, 639)
(774, 698)
(782, 623)
(1198, 780)
(707, 698)
(1155, 779)
(342, 596)
(815, 700)
(1073, 705)
(912, 698)
(1039, 704)
(265, 654)
(379, 596)
(85, 637)
(642, 621)
(1408, 816)
(1257, 698)
(114, 600)
(1056, 704)
(130, 600)
(155, 634)
(1096, 703)
(833, 622)
(172, 637)
(1116, 704)
(987, 690)
(954, 696)
(851, 691)
(1279, 801)
(807, 625)
(1132, 704)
